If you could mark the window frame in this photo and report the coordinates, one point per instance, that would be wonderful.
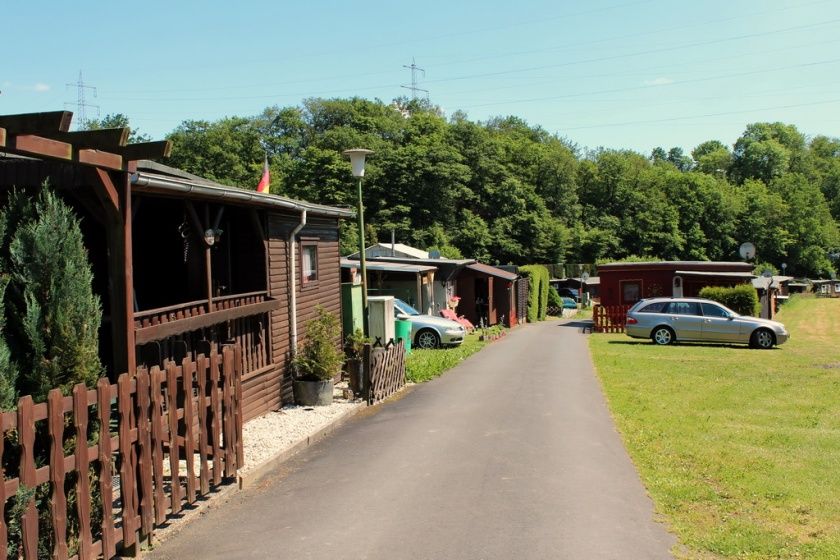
(306, 245)
(621, 285)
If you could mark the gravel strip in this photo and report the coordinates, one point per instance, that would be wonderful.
(274, 432)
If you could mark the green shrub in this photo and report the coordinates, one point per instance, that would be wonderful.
(537, 291)
(319, 358)
(554, 299)
(741, 299)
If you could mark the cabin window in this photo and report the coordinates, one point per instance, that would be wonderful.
(309, 260)
(631, 292)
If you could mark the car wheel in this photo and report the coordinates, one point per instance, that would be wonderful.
(427, 339)
(763, 339)
(662, 336)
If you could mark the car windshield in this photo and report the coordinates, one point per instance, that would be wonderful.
(403, 308)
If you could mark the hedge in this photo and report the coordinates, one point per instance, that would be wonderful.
(741, 299)
(537, 291)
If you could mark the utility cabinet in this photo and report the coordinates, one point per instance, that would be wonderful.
(381, 318)
(351, 308)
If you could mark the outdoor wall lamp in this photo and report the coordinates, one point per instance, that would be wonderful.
(212, 236)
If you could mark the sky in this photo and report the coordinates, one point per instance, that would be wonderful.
(603, 73)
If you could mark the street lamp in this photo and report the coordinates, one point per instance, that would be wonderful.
(357, 161)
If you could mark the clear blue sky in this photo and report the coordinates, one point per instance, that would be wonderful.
(614, 73)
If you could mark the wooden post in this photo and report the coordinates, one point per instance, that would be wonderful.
(208, 261)
(103, 406)
(4, 532)
(128, 273)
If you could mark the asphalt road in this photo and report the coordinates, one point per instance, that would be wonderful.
(511, 455)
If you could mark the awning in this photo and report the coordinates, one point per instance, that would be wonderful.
(379, 266)
(492, 271)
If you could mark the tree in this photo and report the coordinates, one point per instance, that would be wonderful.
(766, 151)
(52, 311)
(116, 120)
(713, 158)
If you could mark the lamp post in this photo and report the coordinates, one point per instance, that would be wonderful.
(357, 161)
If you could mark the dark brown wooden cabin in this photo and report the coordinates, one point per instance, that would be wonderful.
(183, 264)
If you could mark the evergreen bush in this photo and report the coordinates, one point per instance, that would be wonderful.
(554, 299)
(537, 291)
(319, 357)
(741, 299)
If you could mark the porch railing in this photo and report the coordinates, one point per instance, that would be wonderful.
(158, 324)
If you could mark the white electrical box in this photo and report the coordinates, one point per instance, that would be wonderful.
(381, 318)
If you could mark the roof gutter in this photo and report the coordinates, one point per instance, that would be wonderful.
(172, 185)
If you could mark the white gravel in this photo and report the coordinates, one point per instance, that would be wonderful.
(274, 432)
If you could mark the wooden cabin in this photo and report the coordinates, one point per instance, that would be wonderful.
(183, 264)
(625, 283)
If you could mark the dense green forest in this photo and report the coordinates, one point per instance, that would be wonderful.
(504, 191)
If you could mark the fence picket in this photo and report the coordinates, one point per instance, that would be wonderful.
(103, 408)
(4, 531)
(58, 500)
(172, 415)
(29, 520)
(157, 444)
(237, 407)
(124, 406)
(145, 453)
(227, 414)
(80, 421)
(216, 408)
(204, 475)
(189, 443)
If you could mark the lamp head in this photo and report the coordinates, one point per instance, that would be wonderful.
(357, 160)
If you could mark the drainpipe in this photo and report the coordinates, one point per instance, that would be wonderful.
(293, 283)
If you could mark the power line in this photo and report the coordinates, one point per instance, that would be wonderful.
(81, 104)
(413, 87)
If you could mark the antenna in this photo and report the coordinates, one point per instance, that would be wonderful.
(81, 104)
(413, 87)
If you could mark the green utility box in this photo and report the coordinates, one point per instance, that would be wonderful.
(351, 308)
(402, 330)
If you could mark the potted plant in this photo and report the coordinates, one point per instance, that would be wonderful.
(354, 346)
(317, 360)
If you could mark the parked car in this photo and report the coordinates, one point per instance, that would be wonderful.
(668, 320)
(428, 331)
(569, 303)
(568, 292)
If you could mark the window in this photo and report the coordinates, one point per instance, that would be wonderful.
(684, 308)
(309, 263)
(712, 310)
(631, 292)
(655, 307)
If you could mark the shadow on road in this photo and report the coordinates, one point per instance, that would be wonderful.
(585, 326)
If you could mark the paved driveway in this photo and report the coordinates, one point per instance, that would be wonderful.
(511, 455)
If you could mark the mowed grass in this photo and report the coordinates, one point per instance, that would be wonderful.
(423, 365)
(739, 448)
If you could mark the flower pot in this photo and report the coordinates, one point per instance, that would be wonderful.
(313, 393)
(355, 374)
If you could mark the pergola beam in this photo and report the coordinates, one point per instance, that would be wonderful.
(145, 150)
(103, 139)
(37, 123)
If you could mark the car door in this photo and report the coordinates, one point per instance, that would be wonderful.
(718, 325)
(686, 320)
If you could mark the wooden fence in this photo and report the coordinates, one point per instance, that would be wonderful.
(173, 434)
(385, 368)
(609, 318)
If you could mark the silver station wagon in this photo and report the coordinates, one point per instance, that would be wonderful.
(667, 320)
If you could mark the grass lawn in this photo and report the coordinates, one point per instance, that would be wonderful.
(739, 448)
(423, 365)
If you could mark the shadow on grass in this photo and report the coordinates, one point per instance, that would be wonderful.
(641, 342)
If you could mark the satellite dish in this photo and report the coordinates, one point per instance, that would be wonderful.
(767, 273)
(747, 250)
(584, 277)
(435, 254)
